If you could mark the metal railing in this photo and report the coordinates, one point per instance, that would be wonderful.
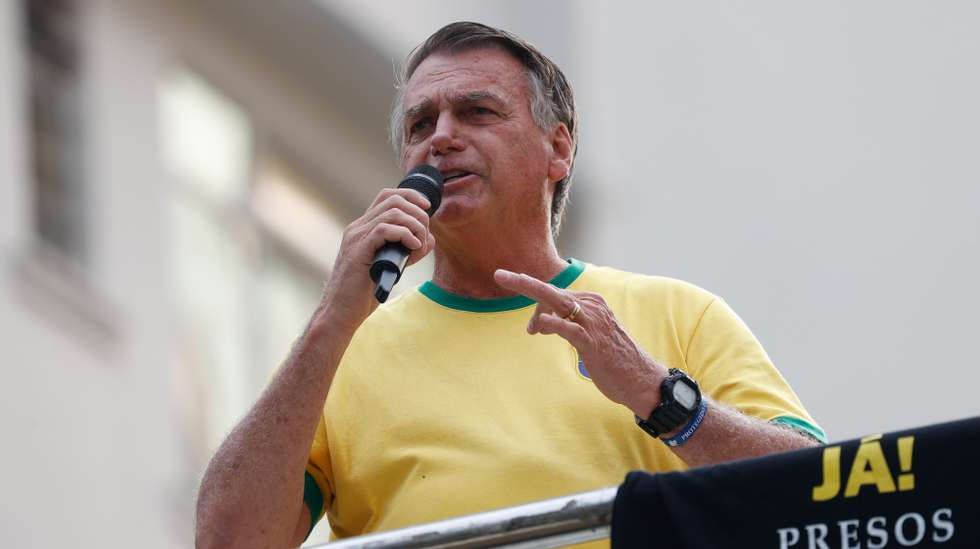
(567, 520)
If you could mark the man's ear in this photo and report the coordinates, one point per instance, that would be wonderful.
(562, 153)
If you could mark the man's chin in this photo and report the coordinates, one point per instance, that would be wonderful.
(456, 210)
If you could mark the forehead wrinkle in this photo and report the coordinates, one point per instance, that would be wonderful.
(443, 69)
(476, 96)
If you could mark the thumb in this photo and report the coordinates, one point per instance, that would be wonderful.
(427, 247)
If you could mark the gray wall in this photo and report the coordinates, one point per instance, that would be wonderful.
(817, 167)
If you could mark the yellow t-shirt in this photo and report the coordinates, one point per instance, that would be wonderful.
(445, 406)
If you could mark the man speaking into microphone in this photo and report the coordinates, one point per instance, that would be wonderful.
(514, 374)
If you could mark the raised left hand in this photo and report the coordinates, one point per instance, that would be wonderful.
(620, 369)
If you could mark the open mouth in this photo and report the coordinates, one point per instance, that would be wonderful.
(454, 175)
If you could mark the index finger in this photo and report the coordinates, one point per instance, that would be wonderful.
(410, 195)
(533, 288)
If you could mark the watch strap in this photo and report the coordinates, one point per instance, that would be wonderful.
(692, 426)
(666, 419)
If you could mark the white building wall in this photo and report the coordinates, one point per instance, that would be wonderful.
(105, 437)
(12, 208)
(91, 456)
(814, 165)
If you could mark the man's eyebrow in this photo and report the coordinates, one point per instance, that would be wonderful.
(419, 108)
(415, 110)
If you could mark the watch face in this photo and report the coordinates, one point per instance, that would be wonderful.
(684, 395)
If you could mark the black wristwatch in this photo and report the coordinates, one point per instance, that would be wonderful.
(680, 398)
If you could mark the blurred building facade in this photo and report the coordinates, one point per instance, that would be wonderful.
(175, 180)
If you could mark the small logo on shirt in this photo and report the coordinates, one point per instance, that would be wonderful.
(582, 371)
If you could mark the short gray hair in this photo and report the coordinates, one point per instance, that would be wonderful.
(551, 99)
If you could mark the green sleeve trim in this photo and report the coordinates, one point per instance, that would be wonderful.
(500, 304)
(802, 426)
(314, 500)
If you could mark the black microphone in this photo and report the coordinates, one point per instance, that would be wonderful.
(390, 259)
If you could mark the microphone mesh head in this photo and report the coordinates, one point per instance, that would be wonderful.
(428, 170)
(426, 180)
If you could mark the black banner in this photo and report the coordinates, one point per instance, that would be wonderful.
(915, 488)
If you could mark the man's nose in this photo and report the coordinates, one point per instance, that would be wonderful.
(446, 137)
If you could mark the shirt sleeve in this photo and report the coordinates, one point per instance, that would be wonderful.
(731, 367)
(318, 488)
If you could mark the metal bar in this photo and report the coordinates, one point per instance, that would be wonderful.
(544, 524)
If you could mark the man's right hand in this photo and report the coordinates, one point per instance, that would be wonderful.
(396, 215)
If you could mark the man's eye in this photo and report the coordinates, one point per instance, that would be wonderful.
(482, 111)
(418, 126)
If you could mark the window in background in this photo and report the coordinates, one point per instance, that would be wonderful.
(250, 242)
(300, 237)
(53, 269)
(55, 124)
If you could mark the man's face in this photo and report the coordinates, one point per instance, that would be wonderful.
(468, 115)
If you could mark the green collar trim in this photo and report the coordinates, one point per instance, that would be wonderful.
(497, 304)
